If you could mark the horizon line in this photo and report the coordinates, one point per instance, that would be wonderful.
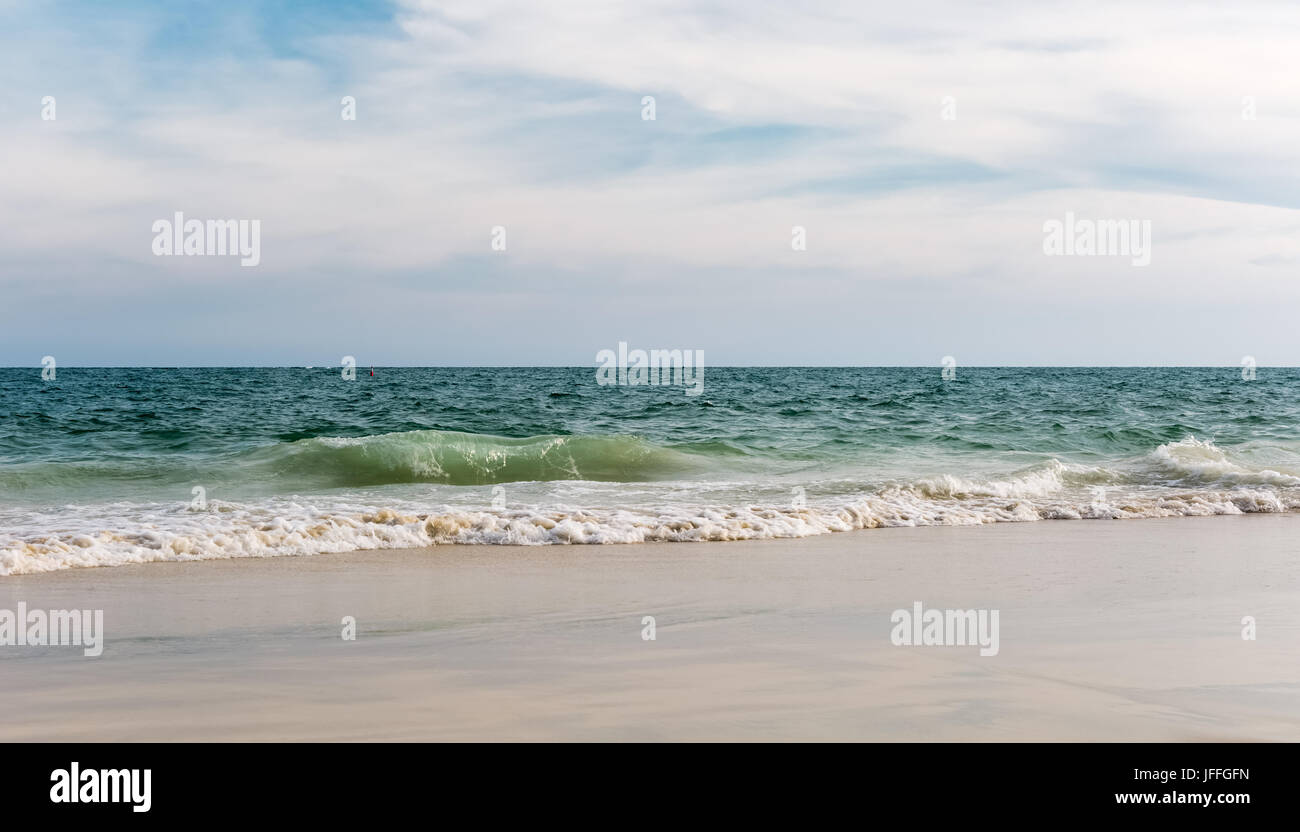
(594, 365)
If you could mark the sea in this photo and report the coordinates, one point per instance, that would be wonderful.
(113, 466)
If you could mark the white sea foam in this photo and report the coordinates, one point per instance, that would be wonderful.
(128, 533)
(1196, 461)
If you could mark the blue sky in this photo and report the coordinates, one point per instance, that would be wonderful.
(924, 233)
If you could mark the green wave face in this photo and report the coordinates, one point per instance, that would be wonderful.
(453, 458)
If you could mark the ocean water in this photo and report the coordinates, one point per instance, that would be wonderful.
(122, 465)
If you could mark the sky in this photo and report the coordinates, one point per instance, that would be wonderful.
(921, 147)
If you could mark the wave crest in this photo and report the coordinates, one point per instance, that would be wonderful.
(1195, 461)
(453, 458)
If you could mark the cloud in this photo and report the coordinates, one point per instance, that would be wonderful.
(473, 115)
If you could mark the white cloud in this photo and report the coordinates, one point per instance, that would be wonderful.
(483, 113)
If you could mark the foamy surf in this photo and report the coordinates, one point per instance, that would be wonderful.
(1196, 461)
(1179, 479)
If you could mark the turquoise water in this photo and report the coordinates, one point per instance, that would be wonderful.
(106, 466)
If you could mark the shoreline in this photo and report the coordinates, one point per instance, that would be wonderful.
(1109, 631)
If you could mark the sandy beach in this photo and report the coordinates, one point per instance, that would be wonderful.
(1125, 630)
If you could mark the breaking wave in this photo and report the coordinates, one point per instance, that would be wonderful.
(1186, 478)
(453, 458)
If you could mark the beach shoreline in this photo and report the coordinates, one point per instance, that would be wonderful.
(1109, 631)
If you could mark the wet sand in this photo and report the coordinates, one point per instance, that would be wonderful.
(1109, 630)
